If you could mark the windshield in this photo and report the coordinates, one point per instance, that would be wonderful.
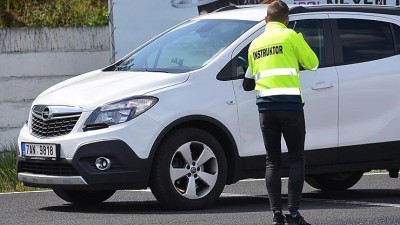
(185, 48)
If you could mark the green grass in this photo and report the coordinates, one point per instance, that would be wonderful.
(8, 175)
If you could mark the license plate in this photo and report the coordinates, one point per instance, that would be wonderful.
(40, 151)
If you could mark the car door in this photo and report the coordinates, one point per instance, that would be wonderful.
(368, 92)
(320, 92)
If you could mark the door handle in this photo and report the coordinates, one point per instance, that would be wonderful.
(321, 85)
(233, 102)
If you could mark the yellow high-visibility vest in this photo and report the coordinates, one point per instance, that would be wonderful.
(274, 59)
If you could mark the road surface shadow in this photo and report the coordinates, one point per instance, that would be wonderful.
(224, 204)
(368, 195)
(241, 203)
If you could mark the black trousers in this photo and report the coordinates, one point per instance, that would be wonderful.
(291, 125)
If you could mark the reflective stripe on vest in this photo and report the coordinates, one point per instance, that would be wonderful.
(278, 81)
(276, 72)
(278, 91)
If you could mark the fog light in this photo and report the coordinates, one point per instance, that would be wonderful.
(103, 163)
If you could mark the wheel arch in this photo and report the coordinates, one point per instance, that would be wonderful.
(215, 128)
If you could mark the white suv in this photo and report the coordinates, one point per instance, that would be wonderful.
(173, 115)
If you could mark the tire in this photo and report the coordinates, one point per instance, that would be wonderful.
(189, 170)
(334, 182)
(84, 197)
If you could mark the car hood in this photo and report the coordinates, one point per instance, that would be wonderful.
(96, 88)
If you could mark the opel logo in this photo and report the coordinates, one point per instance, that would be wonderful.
(46, 114)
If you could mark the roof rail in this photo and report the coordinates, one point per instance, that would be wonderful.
(226, 8)
(297, 9)
(232, 7)
(380, 9)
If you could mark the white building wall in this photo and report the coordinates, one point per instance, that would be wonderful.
(33, 59)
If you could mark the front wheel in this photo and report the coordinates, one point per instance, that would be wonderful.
(189, 170)
(334, 182)
(84, 197)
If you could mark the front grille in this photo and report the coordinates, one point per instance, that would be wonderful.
(52, 128)
(49, 168)
(48, 121)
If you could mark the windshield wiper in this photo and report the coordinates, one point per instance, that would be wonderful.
(147, 70)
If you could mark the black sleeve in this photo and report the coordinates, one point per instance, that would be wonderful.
(249, 84)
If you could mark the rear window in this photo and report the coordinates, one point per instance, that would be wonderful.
(365, 40)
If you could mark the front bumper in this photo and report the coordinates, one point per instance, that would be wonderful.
(126, 145)
(127, 170)
(29, 178)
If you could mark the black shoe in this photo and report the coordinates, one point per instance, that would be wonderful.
(290, 220)
(279, 219)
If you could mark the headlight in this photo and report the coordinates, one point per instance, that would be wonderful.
(119, 112)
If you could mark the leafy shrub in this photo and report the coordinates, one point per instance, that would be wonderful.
(50, 13)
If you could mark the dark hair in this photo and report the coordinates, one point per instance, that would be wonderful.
(278, 11)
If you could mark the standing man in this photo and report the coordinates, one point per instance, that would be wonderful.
(274, 59)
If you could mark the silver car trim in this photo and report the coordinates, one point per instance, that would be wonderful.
(51, 180)
(55, 112)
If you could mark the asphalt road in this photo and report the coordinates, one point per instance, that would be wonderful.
(374, 200)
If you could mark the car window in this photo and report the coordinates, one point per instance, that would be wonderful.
(187, 47)
(240, 63)
(364, 40)
(236, 67)
(396, 30)
(312, 31)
